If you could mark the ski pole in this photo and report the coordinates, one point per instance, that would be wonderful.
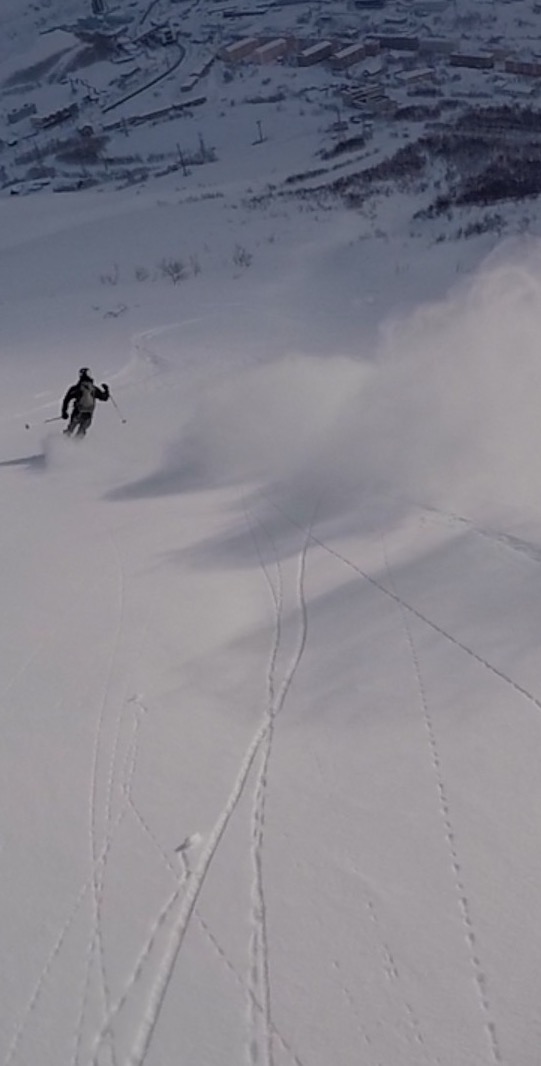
(57, 418)
(117, 409)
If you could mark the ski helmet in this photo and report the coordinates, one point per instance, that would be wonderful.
(85, 373)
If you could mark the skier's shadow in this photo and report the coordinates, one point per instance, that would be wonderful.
(35, 462)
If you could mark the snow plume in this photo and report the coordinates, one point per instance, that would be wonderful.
(272, 424)
(446, 414)
(455, 407)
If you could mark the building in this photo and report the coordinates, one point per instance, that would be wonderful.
(98, 7)
(420, 74)
(433, 46)
(232, 53)
(372, 46)
(315, 54)
(428, 7)
(243, 14)
(275, 49)
(528, 70)
(481, 61)
(398, 43)
(21, 112)
(370, 99)
(57, 117)
(346, 57)
(396, 23)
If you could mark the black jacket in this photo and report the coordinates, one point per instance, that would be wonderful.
(74, 393)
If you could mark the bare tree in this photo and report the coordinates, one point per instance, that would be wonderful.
(174, 269)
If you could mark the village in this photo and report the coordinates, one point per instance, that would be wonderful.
(108, 72)
(397, 60)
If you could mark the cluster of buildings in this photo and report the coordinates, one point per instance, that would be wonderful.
(258, 50)
(340, 56)
(55, 118)
(44, 122)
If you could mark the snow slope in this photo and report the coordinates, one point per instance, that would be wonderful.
(271, 702)
(269, 670)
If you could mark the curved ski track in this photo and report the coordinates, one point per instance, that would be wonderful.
(259, 976)
(259, 970)
(185, 903)
(444, 806)
(389, 964)
(181, 904)
(408, 611)
(96, 950)
(100, 844)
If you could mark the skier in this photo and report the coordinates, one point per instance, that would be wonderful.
(84, 395)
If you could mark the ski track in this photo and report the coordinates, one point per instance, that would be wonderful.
(450, 836)
(112, 768)
(195, 884)
(32, 1003)
(116, 1008)
(389, 965)
(159, 921)
(96, 949)
(463, 902)
(209, 935)
(190, 884)
(259, 970)
(219, 951)
(49, 964)
(203, 925)
(507, 540)
(259, 977)
(126, 780)
(258, 989)
(244, 988)
(64, 932)
(99, 857)
(110, 825)
(392, 595)
(128, 773)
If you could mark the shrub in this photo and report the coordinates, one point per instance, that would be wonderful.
(174, 269)
(242, 257)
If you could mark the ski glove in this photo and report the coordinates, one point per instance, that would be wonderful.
(65, 415)
(105, 389)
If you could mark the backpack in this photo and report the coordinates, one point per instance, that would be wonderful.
(87, 399)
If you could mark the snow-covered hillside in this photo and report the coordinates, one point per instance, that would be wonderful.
(269, 668)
